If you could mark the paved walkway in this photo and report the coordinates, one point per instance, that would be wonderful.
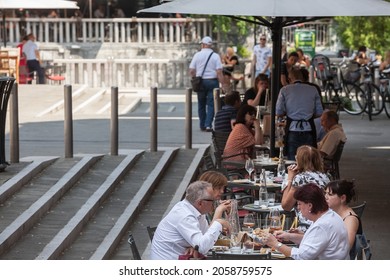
(366, 156)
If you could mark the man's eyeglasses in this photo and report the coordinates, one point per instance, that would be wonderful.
(262, 39)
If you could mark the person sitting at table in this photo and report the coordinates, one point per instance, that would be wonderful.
(245, 135)
(308, 169)
(334, 134)
(338, 195)
(226, 117)
(229, 60)
(256, 95)
(186, 226)
(286, 68)
(303, 60)
(327, 237)
(219, 183)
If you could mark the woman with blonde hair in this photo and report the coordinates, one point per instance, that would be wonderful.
(309, 168)
(229, 61)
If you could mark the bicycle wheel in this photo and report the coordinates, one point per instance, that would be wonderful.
(386, 103)
(375, 105)
(352, 99)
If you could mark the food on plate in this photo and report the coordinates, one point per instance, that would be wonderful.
(221, 248)
(275, 159)
(222, 242)
(261, 232)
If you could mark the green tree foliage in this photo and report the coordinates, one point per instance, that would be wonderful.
(233, 32)
(373, 32)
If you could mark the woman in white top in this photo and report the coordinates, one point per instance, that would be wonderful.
(309, 169)
(326, 239)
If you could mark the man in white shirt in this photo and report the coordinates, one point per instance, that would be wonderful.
(262, 57)
(186, 226)
(31, 52)
(206, 64)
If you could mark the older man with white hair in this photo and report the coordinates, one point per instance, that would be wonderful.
(186, 226)
(206, 64)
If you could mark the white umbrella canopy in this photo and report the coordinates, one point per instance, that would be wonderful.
(37, 4)
(275, 14)
(275, 8)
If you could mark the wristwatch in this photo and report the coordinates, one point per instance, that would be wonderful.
(279, 245)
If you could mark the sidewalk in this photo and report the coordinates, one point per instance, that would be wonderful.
(366, 156)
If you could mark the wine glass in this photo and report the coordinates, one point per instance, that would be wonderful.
(275, 223)
(249, 166)
(249, 222)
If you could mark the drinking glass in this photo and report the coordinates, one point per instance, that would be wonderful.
(249, 222)
(235, 243)
(259, 155)
(249, 166)
(248, 246)
(271, 199)
(266, 157)
(275, 223)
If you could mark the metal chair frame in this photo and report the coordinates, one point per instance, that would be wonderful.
(151, 231)
(133, 247)
(334, 162)
(359, 209)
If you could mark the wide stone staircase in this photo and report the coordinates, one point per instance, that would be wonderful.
(84, 207)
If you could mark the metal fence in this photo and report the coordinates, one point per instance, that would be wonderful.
(128, 30)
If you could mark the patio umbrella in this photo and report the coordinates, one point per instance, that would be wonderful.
(33, 4)
(275, 14)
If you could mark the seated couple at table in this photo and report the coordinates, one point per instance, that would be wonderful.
(326, 238)
(245, 135)
(186, 225)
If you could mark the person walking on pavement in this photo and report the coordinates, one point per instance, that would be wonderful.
(31, 51)
(208, 62)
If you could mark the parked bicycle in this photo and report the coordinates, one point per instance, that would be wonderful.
(384, 85)
(341, 92)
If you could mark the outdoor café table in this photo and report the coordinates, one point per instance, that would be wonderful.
(256, 255)
(269, 165)
(265, 211)
(248, 185)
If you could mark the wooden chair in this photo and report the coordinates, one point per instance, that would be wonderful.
(151, 231)
(227, 256)
(359, 209)
(133, 247)
(332, 165)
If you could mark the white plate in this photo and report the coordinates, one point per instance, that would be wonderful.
(241, 181)
(220, 248)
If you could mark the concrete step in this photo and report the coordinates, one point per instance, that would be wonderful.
(84, 207)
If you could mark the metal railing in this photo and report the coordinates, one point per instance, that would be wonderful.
(133, 30)
(116, 30)
(129, 73)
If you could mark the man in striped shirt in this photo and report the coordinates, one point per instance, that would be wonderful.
(226, 117)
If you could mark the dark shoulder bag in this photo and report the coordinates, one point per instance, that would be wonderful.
(196, 82)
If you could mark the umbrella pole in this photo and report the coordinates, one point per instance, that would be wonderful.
(4, 31)
(276, 29)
